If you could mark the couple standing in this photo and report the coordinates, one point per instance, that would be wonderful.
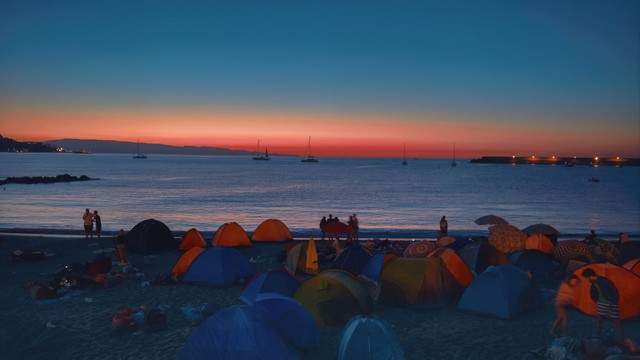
(89, 219)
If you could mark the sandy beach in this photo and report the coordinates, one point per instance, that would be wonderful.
(79, 327)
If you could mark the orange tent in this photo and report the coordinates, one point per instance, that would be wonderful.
(456, 266)
(192, 238)
(633, 266)
(539, 242)
(230, 234)
(628, 285)
(185, 260)
(272, 230)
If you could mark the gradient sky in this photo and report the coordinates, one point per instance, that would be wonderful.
(361, 78)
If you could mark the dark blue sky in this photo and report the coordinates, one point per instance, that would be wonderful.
(569, 62)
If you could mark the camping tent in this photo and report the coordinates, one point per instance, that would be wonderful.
(271, 230)
(292, 321)
(150, 237)
(503, 291)
(352, 259)
(278, 281)
(369, 337)
(185, 261)
(479, 255)
(627, 283)
(456, 266)
(333, 297)
(539, 242)
(230, 234)
(418, 282)
(297, 258)
(192, 238)
(537, 263)
(218, 266)
(374, 267)
(237, 332)
(633, 266)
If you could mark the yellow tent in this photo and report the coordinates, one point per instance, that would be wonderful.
(333, 297)
(303, 258)
(311, 264)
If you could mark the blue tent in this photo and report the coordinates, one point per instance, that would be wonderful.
(352, 259)
(479, 255)
(503, 291)
(535, 262)
(239, 332)
(369, 337)
(373, 268)
(218, 266)
(150, 237)
(291, 320)
(278, 281)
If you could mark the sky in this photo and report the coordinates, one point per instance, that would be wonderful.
(361, 78)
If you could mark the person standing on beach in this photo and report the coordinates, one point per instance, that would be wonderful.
(88, 223)
(323, 222)
(605, 294)
(353, 222)
(98, 221)
(121, 246)
(564, 299)
(444, 227)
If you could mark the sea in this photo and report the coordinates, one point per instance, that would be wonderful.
(390, 200)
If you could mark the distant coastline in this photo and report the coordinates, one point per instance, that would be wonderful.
(561, 161)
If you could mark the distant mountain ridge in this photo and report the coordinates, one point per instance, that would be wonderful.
(11, 145)
(126, 147)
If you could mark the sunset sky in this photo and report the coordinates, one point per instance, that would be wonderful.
(361, 78)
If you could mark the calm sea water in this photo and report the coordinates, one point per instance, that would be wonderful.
(390, 199)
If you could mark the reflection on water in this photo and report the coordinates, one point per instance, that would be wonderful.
(205, 192)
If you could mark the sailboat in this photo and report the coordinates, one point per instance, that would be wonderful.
(139, 155)
(310, 158)
(404, 154)
(454, 163)
(260, 157)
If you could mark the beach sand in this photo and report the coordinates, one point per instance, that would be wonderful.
(80, 327)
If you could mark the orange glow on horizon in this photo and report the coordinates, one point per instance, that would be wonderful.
(336, 134)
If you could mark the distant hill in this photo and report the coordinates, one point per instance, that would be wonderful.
(118, 147)
(10, 145)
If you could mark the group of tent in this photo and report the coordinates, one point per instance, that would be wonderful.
(152, 236)
(281, 315)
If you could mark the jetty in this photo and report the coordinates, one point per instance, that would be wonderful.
(44, 179)
(557, 160)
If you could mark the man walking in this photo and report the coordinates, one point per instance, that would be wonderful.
(604, 292)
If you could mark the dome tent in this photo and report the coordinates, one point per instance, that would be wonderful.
(192, 238)
(272, 230)
(230, 234)
(150, 237)
(218, 266)
(502, 291)
(237, 332)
